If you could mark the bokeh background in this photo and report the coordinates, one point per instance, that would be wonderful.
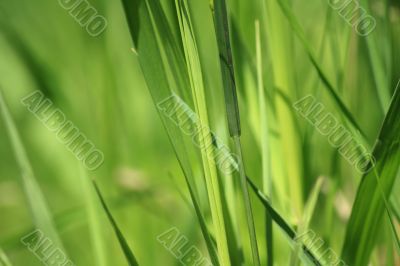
(97, 82)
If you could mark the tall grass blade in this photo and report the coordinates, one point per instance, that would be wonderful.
(198, 93)
(221, 24)
(121, 239)
(40, 212)
(164, 75)
(266, 172)
(94, 219)
(232, 110)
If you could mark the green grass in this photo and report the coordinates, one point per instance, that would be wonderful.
(239, 66)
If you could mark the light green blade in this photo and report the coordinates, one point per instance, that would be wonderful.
(94, 220)
(40, 212)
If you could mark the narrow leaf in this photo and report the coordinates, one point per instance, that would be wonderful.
(121, 239)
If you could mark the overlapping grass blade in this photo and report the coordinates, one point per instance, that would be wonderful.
(232, 109)
(209, 166)
(203, 226)
(356, 129)
(226, 63)
(307, 215)
(288, 178)
(164, 75)
(40, 212)
(368, 208)
(130, 257)
(309, 258)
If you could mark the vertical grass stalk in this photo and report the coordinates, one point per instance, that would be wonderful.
(232, 110)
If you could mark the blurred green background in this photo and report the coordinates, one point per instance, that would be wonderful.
(98, 84)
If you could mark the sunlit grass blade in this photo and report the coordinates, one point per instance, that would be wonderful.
(164, 75)
(369, 206)
(130, 257)
(266, 171)
(40, 212)
(198, 93)
(288, 163)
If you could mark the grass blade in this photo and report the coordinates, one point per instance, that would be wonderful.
(40, 212)
(369, 206)
(307, 215)
(232, 111)
(266, 173)
(147, 23)
(324, 78)
(226, 62)
(198, 93)
(282, 223)
(121, 239)
(94, 220)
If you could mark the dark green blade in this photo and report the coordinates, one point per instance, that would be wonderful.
(369, 206)
(121, 239)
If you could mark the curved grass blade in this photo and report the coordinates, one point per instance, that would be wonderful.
(369, 206)
(40, 212)
(121, 239)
